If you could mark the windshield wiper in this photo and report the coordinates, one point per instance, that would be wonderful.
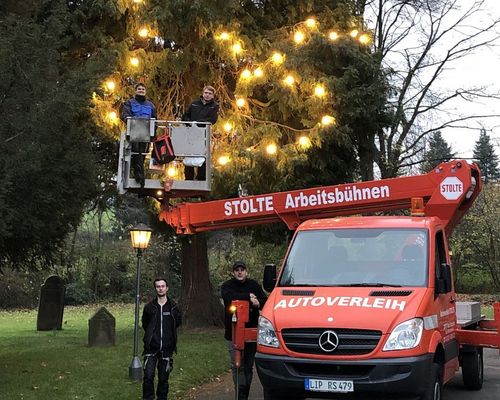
(369, 284)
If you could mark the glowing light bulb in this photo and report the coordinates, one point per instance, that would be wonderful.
(289, 80)
(271, 149)
(223, 160)
(277, 58)
(240, 102)
(159, 193)
(364, 39)
(137, 1)
(299, 37)
(327, 120)
(333, 36)
(110, 85)
(311, 22)
(171, 172)
(246, 74)
(258, 72)
(144, 32)
(228, 126)
(354, 33)
(319, 91)
(224, 36)
(134, 61)
(113, 116)
(304, 142)
(237, 49)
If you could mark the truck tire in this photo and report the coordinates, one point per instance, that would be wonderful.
(472, 369)
(434, 388)
(269, 395)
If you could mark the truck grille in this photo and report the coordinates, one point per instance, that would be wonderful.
(351, 341)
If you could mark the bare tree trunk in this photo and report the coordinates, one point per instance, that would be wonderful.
(200, 307)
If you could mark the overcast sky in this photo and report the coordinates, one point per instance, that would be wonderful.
(482, 68)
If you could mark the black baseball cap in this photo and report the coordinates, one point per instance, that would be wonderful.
(239, 264)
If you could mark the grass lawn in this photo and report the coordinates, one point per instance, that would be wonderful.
(59, 364)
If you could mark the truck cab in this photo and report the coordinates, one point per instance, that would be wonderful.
(362, 305)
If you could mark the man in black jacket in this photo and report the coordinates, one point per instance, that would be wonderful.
(160, 320)
(205, 109)
(242, 288)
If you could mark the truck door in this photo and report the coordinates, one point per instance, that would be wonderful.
(445, 298)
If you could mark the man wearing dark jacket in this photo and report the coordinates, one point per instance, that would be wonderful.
(138, 107)
(242, 288)
(160, 320)
(205, 109)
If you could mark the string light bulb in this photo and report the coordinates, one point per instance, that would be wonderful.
(271, 149)
(311, 23)
(299, 37)
(319, 91)
(223, 160)
(134, 61)
(113, 117)
(354, 33)
(144, 32)
(246, 74)
(304, 142)
(327, 120)
(277, 58)
(224, 36)
(333, 36)
(258, 72)
(364, 39)
(137, 1)
(289, 80)
(241, 102)
(171, 171)
(228, 127)
(110, 85)
(237, 49)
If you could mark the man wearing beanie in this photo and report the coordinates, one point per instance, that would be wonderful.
(138, 107)
(240, 287)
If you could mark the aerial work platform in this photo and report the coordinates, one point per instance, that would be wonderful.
(191, 144)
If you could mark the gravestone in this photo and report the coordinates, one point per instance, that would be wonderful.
(51, 306)
(102, 328)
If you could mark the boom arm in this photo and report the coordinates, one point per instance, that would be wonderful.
(448, 192)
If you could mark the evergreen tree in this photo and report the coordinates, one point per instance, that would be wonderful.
(484, 154)
(301, 96)
(437, 150)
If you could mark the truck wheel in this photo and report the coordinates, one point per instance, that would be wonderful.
(472, 369)
(434, 388)
(269, 395)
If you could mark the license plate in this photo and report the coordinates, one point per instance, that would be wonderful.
(323, 385)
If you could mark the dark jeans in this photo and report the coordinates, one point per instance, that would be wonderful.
(245, 374)
(164, 366)
(137, 160)
(200, 176)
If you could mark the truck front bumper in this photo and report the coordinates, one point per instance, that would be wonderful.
(395, 376)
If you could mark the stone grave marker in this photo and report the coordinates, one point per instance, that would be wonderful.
(51, 305)
(102, 330)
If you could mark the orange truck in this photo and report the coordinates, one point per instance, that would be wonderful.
(364, 304)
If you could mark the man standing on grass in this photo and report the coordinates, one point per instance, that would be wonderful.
(242, 288)
(160, 320)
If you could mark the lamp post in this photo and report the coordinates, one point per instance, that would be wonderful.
(139, 236)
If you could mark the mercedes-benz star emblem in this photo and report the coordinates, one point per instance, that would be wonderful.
(328, 341)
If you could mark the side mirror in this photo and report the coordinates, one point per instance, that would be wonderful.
(269, 281)
(443, 279)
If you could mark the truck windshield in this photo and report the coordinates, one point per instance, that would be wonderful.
(357, 257)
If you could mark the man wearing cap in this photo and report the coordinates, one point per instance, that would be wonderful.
(240, 287)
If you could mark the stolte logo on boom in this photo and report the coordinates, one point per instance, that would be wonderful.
(451, 188)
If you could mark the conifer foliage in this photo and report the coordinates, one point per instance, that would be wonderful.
(485, 156)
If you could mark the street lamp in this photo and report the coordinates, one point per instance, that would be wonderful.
(139, 236)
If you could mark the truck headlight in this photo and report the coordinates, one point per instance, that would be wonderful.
(406, 335)
(266, 335)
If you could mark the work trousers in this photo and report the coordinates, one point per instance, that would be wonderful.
(245, 373)
(164, 366)
(139, 150)
(201, 173)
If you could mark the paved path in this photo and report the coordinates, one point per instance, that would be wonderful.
(222, 387)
